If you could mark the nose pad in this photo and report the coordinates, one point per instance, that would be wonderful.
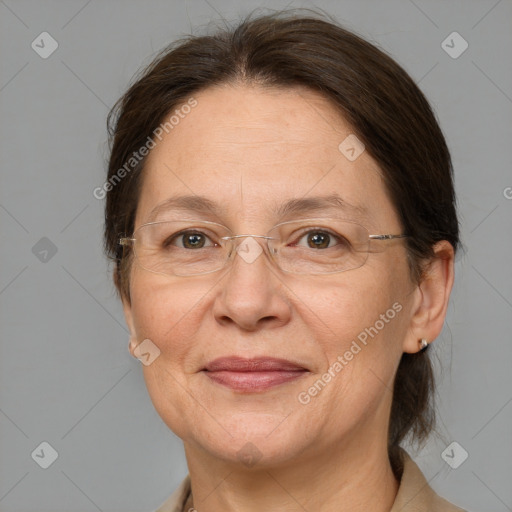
(248, 247)
(250, 250)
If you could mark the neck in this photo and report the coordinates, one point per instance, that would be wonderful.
(353, 478)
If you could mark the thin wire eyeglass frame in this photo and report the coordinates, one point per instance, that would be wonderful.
(128, 241)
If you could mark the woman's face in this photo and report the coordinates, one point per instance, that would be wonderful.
(250, 150)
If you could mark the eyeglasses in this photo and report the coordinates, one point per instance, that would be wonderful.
(310, 246)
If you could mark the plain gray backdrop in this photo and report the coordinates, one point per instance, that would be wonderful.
(66, 376)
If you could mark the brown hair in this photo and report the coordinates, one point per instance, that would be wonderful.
(384, 107)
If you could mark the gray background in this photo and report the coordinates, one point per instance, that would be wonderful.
(66, 376)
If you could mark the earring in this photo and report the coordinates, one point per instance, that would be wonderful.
(423, 344)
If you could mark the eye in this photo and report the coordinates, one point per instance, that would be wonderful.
(188, 239)
(322, 239)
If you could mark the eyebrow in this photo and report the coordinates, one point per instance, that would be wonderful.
(205, 206)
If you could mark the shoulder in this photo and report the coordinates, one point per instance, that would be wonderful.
(177, 499)
(415, 493)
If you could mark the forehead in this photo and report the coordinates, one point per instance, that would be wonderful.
(251, 149)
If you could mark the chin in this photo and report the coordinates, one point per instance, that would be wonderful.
(255, 441)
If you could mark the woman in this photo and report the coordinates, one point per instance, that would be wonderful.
(282, 219)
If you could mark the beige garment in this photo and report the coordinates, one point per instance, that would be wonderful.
(414, 494)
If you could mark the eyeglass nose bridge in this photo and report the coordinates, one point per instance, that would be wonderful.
(231, 238)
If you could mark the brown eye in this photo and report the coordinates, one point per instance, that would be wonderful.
(321, 239)
(187, 240)
(318, 240)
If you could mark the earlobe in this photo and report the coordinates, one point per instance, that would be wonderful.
(132, 345)
(129, 322)
(432, 297)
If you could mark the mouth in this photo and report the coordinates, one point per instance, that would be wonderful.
(253, 375)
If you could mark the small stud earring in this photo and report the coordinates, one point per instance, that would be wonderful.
(423, 344)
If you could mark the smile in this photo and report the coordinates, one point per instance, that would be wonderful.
(252, 375)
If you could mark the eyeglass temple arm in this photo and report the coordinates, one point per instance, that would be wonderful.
(386, 237)
(126, 240)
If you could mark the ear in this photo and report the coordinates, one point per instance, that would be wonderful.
(127, 308)
(431, 298)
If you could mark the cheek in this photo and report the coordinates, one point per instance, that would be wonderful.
(349, 307)
(173, 317)
(360, 325)
(167, 311)
(365, 326)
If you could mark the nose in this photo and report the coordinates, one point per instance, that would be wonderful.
(253, 293)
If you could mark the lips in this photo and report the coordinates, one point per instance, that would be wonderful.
(260, 364)
(252, 375)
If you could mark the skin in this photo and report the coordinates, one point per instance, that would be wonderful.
(248, 148)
